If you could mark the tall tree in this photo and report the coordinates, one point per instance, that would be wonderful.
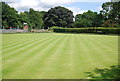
(88, 19)
(111, 13)
(106, 9)
(116, 12)
(11, 18)
(58, 16)
(9, 15)
(0, 15)
(35, 18)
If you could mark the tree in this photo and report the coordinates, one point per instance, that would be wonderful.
(9, 15)
(22, 18)
(106, 9)
(88, 19)
(0, 15)
(98, 20)
(107, 73)
(11, 18)
(111, 12)
(34, 18)
(58, 16)
(116, 12)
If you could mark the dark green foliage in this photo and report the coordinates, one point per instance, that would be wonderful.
(0, 15)
(11, 18)
(116, 12)
(9, 15)
(88, 19)
(111, 12)
(107, 73)
(88, 30)
(34, 19)
(58, 16)
(61, 17)
(108, 17)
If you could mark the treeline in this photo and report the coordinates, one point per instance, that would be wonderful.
(108, 17)
(11, 17)
(59, 16)
(97, 30)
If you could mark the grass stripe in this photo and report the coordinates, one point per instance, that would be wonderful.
(36, 57)
(24, 48)
(29, 54)
(58, 56)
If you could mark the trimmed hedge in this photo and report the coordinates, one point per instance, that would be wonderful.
(88, 30)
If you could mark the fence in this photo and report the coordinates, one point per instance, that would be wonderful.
(39, 30)
(13, 31)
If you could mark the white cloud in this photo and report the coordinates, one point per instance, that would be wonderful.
(82, 11)
(44, 5)
(57, 2)
(38, 4)
(9, 1)
(24, 5)
(29, 3)
(76, 10)
(99, 8)
(93, 0)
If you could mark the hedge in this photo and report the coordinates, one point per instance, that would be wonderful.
(88, 30)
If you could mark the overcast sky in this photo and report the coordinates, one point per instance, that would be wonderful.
(77, 6)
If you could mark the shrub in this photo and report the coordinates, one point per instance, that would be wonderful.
(88, 30)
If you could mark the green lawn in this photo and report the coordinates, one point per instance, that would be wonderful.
(56, 56)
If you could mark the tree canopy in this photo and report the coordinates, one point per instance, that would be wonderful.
(34, 18)
(88, 19)
(109, 16)
(11, 17)
(58, 16)
(111, 13)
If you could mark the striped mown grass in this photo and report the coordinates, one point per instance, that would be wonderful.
(0, 56)
(56, 56)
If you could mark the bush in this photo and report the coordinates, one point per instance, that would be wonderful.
(53, 27)
(106, 73)
(88, 30)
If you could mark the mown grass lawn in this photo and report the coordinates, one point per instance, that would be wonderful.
(56, 55)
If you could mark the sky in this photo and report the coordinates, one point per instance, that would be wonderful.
(77, 6)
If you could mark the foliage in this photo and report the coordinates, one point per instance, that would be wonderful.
(58, 16)
(34, 19)
(88, 30)
(11, 18)
(88, 19)
(108, 17)
(0, 15)
(53, 27)
(107, 73)
(109, 23)
(111, 12)
(9, 15)
(116, 12)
